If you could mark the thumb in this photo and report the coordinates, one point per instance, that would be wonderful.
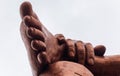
(99, 50)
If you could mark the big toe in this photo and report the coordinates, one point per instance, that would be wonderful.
(26, 9)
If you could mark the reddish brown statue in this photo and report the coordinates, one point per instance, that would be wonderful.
(56, 56)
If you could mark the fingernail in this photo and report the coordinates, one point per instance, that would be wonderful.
(91, 61)
(71, 54)
(60, 38)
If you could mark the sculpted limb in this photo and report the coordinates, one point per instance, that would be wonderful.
(106, 66)
(103, 65)
(99, 65)
(80, 52)
(43, 48)
(83, 53)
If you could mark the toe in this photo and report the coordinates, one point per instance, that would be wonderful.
(99, 50)
(32, 22)
(71, 48)
(38, 45)
(42, 58)
(26, 9)
(89, 53)
(80, 52)
(34, 33)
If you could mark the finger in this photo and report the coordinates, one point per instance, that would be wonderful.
(38, 45)
(89, 53)
(32, 22)
(60, 38)
(100, 50)
(80, 52)
(71, 48)
(35, 34)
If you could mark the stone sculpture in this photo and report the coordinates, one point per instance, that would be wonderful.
(51, 55)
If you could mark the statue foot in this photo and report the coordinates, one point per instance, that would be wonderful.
(42, 47)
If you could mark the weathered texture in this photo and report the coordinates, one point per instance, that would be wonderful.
(106, 66)
(65, 68)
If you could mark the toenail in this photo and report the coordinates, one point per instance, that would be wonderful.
(39, 58)
(35, 34)
(32, 22)
(27, 20)
(72, 54)
(91, 61)
(42, 58)
(60, 38)
(38, 45)
(45, 57)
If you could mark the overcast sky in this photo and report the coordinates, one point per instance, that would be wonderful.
(95, 21)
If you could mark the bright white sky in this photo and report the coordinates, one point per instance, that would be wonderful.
(95, 21)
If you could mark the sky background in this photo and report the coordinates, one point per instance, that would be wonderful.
(95, 21)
